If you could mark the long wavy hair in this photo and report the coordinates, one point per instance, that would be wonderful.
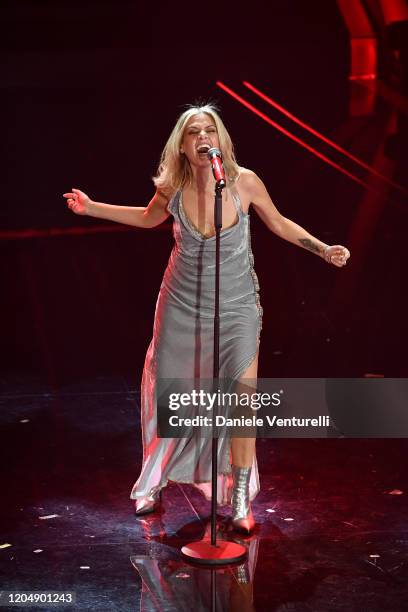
(174, 170)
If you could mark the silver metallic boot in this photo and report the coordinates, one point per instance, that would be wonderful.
(242, 518)
(150, 503)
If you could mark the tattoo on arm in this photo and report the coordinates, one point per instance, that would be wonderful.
(309, 244)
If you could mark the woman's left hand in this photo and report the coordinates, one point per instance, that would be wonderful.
(336, 255)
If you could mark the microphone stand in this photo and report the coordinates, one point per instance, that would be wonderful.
(211, 552)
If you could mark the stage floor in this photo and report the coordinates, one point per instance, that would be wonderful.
(331, 515)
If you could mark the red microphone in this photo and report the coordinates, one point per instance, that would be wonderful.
(215, 157)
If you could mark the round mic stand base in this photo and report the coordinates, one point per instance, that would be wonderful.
(221, 553)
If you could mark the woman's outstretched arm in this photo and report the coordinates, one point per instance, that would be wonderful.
(286, 228)
(138, 216)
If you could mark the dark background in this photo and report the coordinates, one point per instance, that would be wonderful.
(90, 93)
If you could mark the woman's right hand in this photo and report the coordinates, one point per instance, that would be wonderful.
(78, 202)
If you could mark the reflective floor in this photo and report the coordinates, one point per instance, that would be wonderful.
(331, 516)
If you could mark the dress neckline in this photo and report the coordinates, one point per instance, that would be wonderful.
(196, 231)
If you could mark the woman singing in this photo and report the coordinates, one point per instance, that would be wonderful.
(182, 343)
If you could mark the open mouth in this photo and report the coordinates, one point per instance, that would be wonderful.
(203, 149)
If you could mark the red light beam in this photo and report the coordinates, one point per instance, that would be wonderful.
(306, 127)
(300, 142)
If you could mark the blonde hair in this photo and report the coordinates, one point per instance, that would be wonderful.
(174, 170)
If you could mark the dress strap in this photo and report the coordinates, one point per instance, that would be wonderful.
(236, 199)
(172, 205)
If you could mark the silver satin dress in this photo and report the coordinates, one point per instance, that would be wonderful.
(182, 346)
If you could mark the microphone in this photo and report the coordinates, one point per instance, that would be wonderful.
(215, 157)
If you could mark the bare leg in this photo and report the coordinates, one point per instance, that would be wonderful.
(243, 449)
